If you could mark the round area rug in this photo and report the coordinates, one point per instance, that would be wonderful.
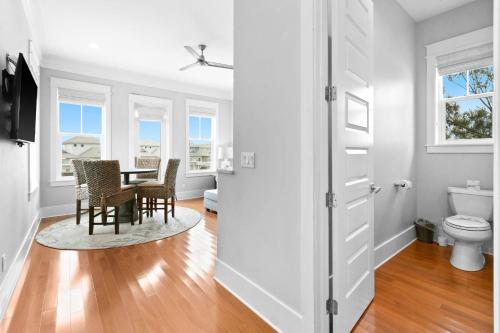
(67, 235)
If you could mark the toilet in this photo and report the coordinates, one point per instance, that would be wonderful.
(470, 227)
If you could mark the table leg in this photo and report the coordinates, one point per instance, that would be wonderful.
(125, 211)
(126, 178)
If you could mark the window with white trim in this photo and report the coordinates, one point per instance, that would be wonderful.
(79, 123)
(460, 94)
(201, 137)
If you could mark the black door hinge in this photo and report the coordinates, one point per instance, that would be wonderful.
(332, 306)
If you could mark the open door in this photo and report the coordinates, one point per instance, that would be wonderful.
(350, 199)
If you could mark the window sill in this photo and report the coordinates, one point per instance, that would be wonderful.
(200, 174)
(483, 148)
(62, 183)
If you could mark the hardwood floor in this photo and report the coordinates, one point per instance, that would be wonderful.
(162, 286)
(167, 286)
(419, 291)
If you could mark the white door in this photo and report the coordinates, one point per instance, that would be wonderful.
(352, 160)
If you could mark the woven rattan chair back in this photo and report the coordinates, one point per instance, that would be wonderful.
(79, 172)
(148, 163)
(171, 174)
(103, 178)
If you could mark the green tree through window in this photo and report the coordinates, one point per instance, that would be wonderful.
(468, 101)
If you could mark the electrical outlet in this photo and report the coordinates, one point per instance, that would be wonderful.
(4, 262)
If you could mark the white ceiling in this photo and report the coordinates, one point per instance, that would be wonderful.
(420, 10)
(145, 36)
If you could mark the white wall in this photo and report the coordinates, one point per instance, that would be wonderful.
(259, 238)
(64, 196)
(438, 171)
(395, 122)
(18, 211)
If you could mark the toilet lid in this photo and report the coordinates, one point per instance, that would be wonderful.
(468, 223)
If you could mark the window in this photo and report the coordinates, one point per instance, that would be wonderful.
(149, 138)
(79, 123)
(201, 137)
(79, 134)
(460, 94)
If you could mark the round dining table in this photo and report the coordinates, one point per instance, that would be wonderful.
(125, 208)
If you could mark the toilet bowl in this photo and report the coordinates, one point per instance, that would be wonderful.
(470, 228)
(469, 233)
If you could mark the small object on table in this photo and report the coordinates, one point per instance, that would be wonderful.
(126, 181)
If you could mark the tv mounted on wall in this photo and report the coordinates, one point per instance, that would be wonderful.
(23, 94)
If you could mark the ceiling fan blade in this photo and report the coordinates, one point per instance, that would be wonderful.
(189, 66)
(192, 51)
(219, 65)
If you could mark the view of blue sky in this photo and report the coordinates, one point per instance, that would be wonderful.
(150, 130)
(74, 118)
(200, 129)
(456, 84)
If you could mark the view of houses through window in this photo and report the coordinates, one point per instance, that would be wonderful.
(201, 145)
(80, 134)
(149, 138)
(467, 98)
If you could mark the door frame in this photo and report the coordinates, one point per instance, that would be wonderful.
(496, 168)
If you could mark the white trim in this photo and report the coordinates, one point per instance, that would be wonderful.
(55, 84)
(167, 151)
(125, 76)
(434, 114)
(212, 110)
(273, 311)
(394, 245)
(496, 169)
(460, 149)
(16, 268)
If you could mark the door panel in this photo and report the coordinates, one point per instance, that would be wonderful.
(352, 157)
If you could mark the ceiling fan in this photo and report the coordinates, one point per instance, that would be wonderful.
(200, 59)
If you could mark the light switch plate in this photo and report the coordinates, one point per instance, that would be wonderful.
(248, 160)
(4, 263)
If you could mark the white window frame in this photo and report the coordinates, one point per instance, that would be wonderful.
(436, 117)
(166, 121)
(212, 110)
(55, 146)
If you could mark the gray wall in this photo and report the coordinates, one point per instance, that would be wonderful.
(55, 196)
(395, 119)
(438, 171)
(259, 216)
(17, 211)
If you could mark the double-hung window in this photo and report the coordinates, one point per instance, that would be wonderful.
(79, 124)
(201, 137)
(460, 92)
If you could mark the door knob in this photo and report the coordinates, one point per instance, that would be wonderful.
(375, 189)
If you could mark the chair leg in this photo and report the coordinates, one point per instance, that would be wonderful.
(139, 208)
(117, 223)
(91, 220)
(104, 215)
(156, 204)
(131, 212)
(78, 211)
(165, 211)
(173, 206)
(147, 207)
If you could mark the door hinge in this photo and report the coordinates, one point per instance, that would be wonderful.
(332, 306)
(330, 93)
(331, 200)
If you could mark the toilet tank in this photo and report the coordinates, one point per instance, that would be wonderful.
(477, 203)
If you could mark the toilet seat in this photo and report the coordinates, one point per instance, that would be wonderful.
(469, 223)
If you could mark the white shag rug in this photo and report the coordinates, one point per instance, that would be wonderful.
(67, 235)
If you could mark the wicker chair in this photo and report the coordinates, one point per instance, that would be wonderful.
(81, 190)
(105, 190)
(153, 191)
(147, 163)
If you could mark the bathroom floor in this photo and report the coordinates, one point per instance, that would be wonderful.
(419, 291)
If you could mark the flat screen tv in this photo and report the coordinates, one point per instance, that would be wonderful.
(23, 112)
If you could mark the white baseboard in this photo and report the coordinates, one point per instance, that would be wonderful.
(13, 274)
(59, 210)
(273, 311)
(194, 194)
(394, 245)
